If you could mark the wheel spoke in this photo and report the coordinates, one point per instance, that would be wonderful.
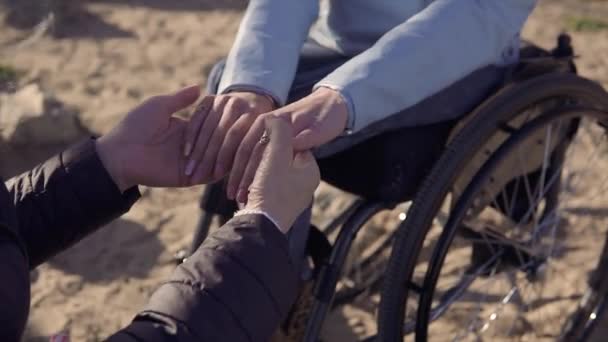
(530, 227)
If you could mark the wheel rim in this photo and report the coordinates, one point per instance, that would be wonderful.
(357, 290)
(511, 285)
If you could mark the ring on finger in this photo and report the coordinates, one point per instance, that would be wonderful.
(265, 138)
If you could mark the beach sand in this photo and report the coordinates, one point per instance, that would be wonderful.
(106, 57)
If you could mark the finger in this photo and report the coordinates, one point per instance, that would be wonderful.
(280, 133)
(196, 123)
(204, 135)
(303, 160)
(241, 158)
(306, 139)
(182, 179)
(231, 142)
(305, 173)
(277, 154)
(305, 163)
(182, 98)
(232, 110)
(250, 171)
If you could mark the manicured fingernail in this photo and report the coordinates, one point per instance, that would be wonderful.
(187, 149)
(242, 196)
(190, 167)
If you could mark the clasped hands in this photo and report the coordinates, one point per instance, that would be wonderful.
(153, 147)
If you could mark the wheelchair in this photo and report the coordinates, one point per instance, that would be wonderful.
(503, 236)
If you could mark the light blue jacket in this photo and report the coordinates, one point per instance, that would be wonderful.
(403, 50)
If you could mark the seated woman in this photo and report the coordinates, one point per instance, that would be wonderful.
(218, 294)
(347, 71)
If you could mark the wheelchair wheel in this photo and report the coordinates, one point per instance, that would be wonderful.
(362, 271)
(506, 239)
(351, 269)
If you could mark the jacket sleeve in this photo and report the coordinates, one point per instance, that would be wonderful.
(440, 45)
(238, 286)
(14, 288)
(64, 199)
(266, 50)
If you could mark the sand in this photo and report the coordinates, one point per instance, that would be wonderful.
(103, 59)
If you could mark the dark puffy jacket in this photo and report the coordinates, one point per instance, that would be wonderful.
(238, 286)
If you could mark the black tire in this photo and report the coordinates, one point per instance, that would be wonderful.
(360, 275)
(497, 116)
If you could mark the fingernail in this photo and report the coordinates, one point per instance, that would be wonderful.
(190, 167)
(242, 196)
(187, 149)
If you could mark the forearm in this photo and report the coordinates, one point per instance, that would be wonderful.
(265, 53)
(437, 47)
(64, 199)
(240, 271)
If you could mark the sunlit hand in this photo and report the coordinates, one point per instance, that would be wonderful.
(316, 119)
(217, 126)
(284, 182)
(145, 147)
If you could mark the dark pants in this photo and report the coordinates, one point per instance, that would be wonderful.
(387, 160)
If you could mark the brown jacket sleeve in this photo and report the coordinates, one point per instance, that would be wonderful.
(63, 200)
(238, 286)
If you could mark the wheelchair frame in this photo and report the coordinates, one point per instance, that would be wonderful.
(364, 209)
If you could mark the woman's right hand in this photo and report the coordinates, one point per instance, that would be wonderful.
(215, 131)
(284, 183)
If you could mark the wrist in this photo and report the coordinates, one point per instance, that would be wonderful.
(111, 158)
(274, 215)
(261, 212)
(340, 105)
(261, 101)
(337, 104)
